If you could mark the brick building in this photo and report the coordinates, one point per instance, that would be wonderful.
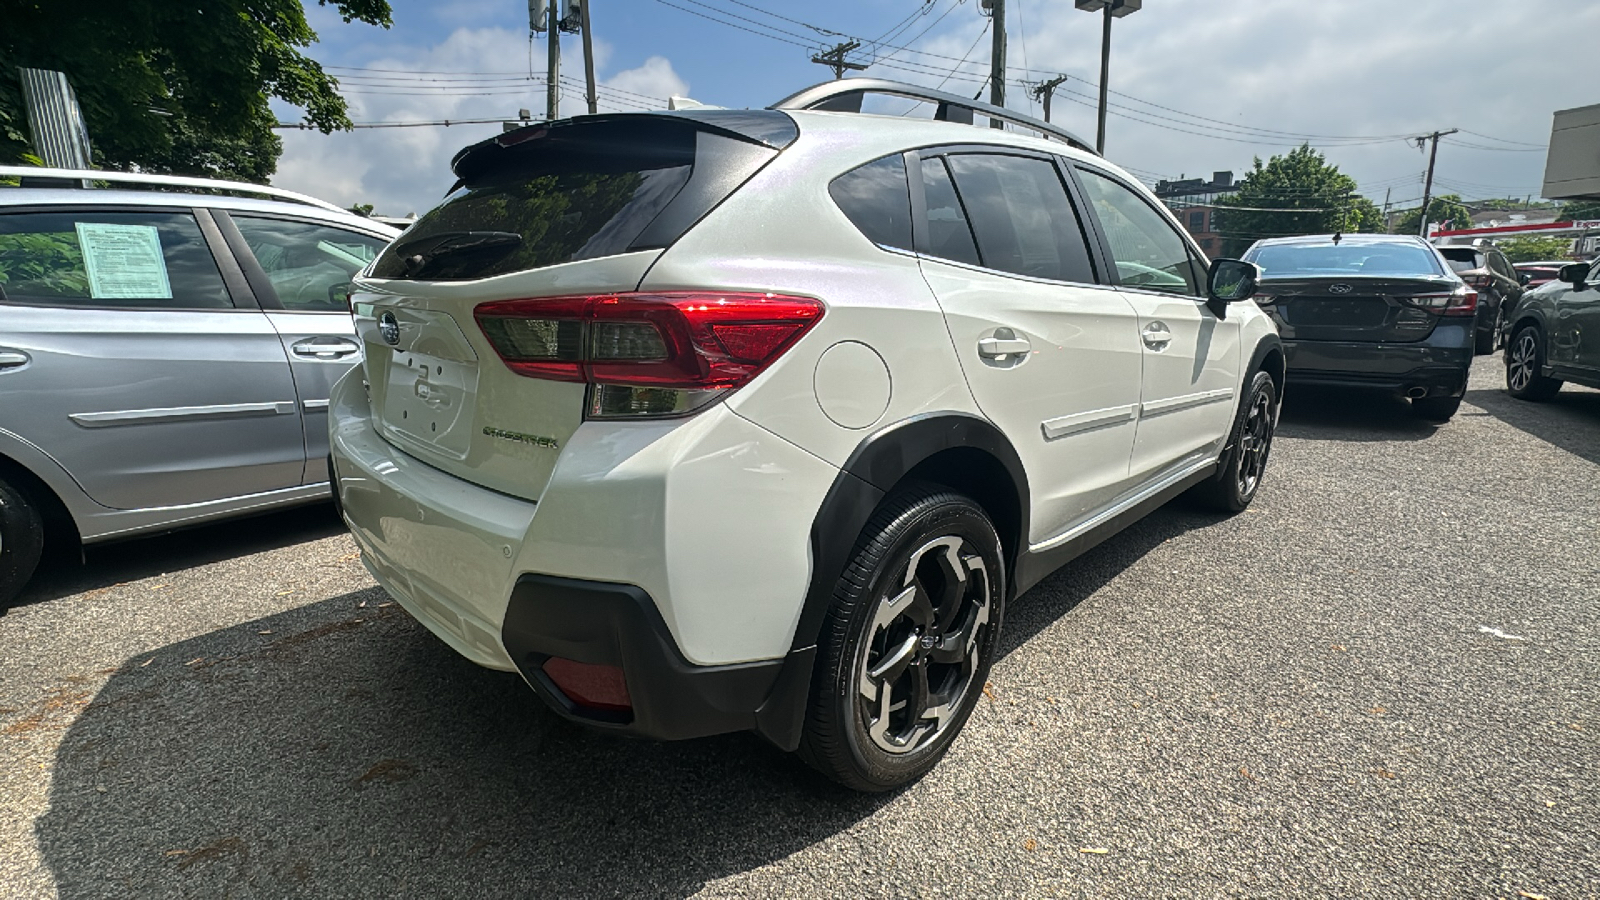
(1193, 200)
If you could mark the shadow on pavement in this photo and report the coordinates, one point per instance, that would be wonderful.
(1349, 414)
(1570, 420)
(113, 563)
(335, 750)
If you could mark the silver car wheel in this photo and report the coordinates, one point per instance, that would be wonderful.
(917, 663)
(1524, 359)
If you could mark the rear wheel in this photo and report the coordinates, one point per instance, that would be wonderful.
(908, 641)
(21, 541)
(1245, 462)
(1435, 409)
(1484, 339)
(1525, 365)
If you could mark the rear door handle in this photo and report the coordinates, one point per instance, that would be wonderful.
(10, 359)
(1156, 335)
(326, 347)
(995, 348)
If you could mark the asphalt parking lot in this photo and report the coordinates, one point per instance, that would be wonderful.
(1381, 679)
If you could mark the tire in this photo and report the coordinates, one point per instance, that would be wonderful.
(1435, 409)
(21, 542)
(1483, 339)
(914, 620)
(1244, 462)
(1525, 364)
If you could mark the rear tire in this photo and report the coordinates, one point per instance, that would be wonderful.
(1525, 366)
(908, 641)
(1245, 461)
(21, 542)
(1435, 409)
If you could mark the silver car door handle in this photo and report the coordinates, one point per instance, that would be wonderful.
(10, 359)
(1156, 335)
(326, 347)
(994, 348)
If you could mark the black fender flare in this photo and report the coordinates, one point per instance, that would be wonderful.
(1258, 357)
(878, 463)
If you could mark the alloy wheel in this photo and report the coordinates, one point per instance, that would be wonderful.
(921, 651)
(1255, 440)
(1522, 363)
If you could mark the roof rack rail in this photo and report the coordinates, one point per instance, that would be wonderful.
(845, 95)
(231, 187)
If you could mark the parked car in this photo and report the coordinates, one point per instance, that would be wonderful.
(165, 357)
(1371, 310)
(1499, 287)
(1541, 272)
(759, 420)
(1555, 335)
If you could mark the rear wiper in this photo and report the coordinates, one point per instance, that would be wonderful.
(419, 253)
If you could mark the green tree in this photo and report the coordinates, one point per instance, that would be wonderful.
(362, 209)
(1532, 247)
(1296, 193)
(175, 87)
(1443, 208)
(1580, 210)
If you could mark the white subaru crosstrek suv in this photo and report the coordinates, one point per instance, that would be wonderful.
(717, 420)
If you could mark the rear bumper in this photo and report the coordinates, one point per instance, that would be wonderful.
(1437, 364)
(696, 599)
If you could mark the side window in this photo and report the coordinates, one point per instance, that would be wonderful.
(1148, 252)
(1502, 267)
(1022, 217)
(140, 260)
(307, 263)
(949, 234)
(875, 197)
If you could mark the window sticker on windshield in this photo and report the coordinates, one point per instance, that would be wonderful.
(124, 261)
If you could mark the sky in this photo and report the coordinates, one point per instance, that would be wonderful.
(1198, 86)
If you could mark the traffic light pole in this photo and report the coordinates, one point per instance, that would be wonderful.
(1105, 76)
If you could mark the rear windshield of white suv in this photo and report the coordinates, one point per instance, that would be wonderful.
(575, 190)
(1350, 258)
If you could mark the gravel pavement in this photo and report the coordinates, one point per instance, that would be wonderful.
(1380, 680)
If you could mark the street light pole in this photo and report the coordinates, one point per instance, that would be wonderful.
(1109, 9)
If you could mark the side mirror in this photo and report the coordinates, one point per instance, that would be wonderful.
(1524, 278)
(339, 294)
(1575, 274)
(1229, 281)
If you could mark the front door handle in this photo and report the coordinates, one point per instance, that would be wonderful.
(10, 359)
(997, 348)
(325, 348)
(1156, 335)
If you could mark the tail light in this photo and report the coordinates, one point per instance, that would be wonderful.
(1480, 281)
(1455, 304)
(647, 355)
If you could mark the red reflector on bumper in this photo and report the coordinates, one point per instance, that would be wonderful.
(590, 685)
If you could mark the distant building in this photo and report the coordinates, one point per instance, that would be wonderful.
(1193, 201)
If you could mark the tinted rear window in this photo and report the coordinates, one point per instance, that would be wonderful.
(1311, 260)
(573, 192)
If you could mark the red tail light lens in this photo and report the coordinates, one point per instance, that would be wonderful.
(1462, 304)
(604, 688)
(647, 354)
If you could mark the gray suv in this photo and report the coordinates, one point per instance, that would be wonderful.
(165, 357)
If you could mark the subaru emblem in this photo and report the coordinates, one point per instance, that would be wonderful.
(389, 329)
(1334, 289)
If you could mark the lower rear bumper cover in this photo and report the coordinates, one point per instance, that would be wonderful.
(603, 623)
(1440, 370)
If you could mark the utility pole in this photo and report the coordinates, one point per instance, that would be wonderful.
(1043, 91)
(1427, 186)
(552, 91)
(834, 59)
(997, 58)
(588, 57)
(1386, 209)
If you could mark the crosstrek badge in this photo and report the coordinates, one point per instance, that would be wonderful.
(537, 440)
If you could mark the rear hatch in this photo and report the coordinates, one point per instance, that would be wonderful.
(556, 214)
(1356, 290)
